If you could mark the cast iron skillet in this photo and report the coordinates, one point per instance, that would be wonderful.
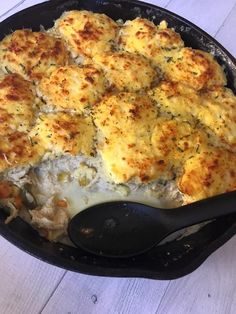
(168, 261)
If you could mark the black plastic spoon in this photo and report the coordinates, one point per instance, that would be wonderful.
(125, 229)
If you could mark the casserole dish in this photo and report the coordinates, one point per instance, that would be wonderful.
(170, 260)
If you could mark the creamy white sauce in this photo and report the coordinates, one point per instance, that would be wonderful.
(80, 199)
(45, 185)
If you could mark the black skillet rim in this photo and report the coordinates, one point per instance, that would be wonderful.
(24, 237)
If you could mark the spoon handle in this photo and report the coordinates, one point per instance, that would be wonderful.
(200, 211)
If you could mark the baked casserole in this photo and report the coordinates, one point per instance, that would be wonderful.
(93, 110)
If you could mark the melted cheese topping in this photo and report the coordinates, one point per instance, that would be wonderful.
(127, 71)
(213, 108)
(86, 33)
(218, 112)
(143, 36)
(155, 42)
(176, 141)
(126, 121)
(17, 149)
(195, 68)
(73, 88)
(152, 148)
(31, 54)
(208, 173)
(62, 133)
(176, 100)
(17, 102)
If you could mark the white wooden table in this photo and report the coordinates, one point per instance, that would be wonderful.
(30, 286)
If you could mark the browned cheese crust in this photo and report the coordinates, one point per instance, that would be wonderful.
(72, 88)
(86, 33)
(62, 133)
(31, 54)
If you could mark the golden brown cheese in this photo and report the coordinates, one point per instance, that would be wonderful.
(86, 33)
(176, 100)
(208, 173)
(31, 54)
(127, 71)
(218, 113)
(138, 144)
(214, 109)
(72, 88)
(62, 133)
(9, 123)
(126, 122)
(17, 102)
(143, 36)
(176, 141)
(195, 68)
(155, 42)
(17, 149)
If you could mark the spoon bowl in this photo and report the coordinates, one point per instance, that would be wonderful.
(125, 229)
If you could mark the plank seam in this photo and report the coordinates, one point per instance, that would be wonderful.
(14, 7)
(164, 294)
(166, 6)
(219, 29)
(53, 291)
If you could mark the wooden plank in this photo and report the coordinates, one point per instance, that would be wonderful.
(26, 283)
(87, 294)
(227, 33)
(7, 6)
(10, 7)
(209, 15)
(210, 289)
